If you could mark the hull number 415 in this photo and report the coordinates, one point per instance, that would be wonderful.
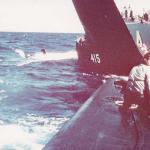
(95, 58)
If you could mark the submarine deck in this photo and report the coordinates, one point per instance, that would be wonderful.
(98, 125)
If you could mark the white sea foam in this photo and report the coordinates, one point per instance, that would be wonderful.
(20, 52)
(2, 91)
(3, 94)
(54, 56)
(49, 56)
(14, 137)
(30, 133)
(1, 81)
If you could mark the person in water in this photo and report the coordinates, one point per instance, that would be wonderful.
(137, 90)
(43, 51)
(34, 55)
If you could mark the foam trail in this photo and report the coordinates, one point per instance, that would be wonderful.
(31, 133)
(49, 56)
(20, 53)
(14, 137)
(54, 56)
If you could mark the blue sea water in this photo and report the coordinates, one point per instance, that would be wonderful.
(38, 96)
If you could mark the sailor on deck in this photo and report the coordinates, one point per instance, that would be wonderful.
(138, 86)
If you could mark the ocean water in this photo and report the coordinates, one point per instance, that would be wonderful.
(38, 95)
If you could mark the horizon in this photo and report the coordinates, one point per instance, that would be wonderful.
(48, 16)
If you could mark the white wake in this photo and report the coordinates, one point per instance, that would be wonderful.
(49, 56)
(20, 52)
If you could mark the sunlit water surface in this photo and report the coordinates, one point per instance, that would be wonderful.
(38, 96)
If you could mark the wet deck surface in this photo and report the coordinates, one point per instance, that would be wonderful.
(98, 125)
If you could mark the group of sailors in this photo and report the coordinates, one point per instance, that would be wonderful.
(128, 15)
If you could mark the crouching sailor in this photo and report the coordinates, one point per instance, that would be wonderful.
(137, 90)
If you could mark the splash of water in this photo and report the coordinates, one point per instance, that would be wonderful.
(29, 133)
(49, 56)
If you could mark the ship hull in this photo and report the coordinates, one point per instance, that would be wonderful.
(107, 46)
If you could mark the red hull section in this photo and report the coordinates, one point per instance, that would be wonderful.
(107, 46)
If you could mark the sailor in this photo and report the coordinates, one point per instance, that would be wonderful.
(137, 90)
(131, 15)
(126, 14)
(145, 16)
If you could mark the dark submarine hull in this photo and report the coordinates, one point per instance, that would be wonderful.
(98, 125)
(107, 46)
